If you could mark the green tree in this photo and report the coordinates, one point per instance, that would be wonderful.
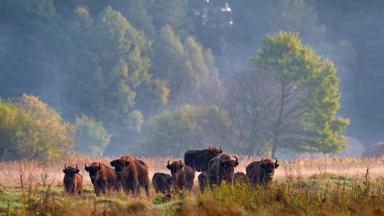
(32, 130)
(212, 23)
(307, 96)
(185, 65)
(171, 13)
(111, 68)
(138, 13)
(188, 127)
(92, 137)
(13, 130)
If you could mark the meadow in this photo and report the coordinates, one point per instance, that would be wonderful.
(304, 186)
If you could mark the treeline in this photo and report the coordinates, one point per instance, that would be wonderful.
(158, 77)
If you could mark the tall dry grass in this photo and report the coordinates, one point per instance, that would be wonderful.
(305, 186)
(17, 174)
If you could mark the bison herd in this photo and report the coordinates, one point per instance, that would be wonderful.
(130, 174)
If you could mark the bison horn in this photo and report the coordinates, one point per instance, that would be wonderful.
(220, 148)
(275, 160)
(65, 166)
(168, 162)
(262, 159)
(99, 165)
(237, 159)
(85, 165)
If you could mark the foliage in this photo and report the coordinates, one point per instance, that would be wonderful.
(307, 99)
(13, 125)
(188, 127)
(32, 130)
(92, 137)
(115, 74)
(123, 62)
(185, 65)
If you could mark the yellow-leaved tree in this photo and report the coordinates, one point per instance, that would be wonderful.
(30, 129)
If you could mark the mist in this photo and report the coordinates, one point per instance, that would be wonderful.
(134, 68)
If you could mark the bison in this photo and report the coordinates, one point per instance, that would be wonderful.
(198, 159)
(162, 183)
(126, 173)
(240, 178)
(182, 175)
(131, 173)
(261, 172)
(222, 167)
(73, 181)
(143, 177)
(202, 178)
(102, 177)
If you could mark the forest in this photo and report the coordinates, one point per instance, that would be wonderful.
(155, 78)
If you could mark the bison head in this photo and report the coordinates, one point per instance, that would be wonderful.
(227, 166)
(119, 165)
(175, 166)
(93, 169)
(269, 168)
(213, 151)
(70, 171)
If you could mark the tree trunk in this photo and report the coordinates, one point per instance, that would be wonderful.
(276, 130)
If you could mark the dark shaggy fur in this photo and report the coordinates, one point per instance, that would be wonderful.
(199, 159)
(73, 181)
(103, 177)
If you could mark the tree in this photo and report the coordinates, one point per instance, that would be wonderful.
(248, 100)
(185, 65)
(111, 70)
(13, 129)
(138, 13)
(29, 129)
(92, 137)
(357, 46)
(188, 127)
(307, 99)
(170, 13)
(212, 22)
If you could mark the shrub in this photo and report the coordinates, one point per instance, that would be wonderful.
(29, 129)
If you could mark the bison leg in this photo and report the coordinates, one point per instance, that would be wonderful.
(117, 186)
(80, 192)
(146, 187)
(103, 186)
(133, 187)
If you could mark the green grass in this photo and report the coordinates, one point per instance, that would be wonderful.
(323, 194)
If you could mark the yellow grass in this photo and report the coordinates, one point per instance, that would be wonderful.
(17, 174)
(305, 186)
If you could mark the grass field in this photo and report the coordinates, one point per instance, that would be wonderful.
(322, 186)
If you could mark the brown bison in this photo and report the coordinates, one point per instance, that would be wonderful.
(142, 169)
(240, 178)
(131, 173)
(162, 183)
(182, 175)
(261, 172)
(222, 168)
(102, 177)
(198, 159)
(202, 179)
(73, 181)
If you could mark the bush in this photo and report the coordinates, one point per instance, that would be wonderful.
(29, 129)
